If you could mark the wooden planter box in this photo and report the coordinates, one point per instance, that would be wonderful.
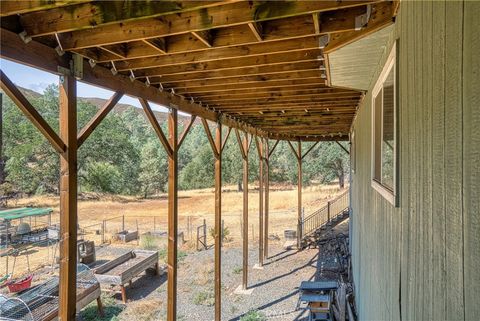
(127, 236)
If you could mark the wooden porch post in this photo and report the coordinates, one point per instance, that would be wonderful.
(244, 148)
(261, 152)
(245, 214)
(172, 215)
(267, 197)
(68, 199)
(218, 223)
(217, 146)
(300, 174)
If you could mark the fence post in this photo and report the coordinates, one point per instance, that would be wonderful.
(328, 211)
(197, 237)
(103, 232)
(205, 233)
(154, 223)
(223, 234)
(123, 222)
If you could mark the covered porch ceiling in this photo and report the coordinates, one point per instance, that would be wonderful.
(260, 66)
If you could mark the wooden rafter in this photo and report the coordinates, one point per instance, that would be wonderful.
(381, 17)
(236, 51)
(186, 22)
(257, 30)
(205, 36)
(87, 15)
(97, 119)
(12, 7)
(268, 59)
(31, 113)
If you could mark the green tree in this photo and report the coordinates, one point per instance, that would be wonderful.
(153, 175)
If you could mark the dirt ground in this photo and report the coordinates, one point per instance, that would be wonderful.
(148, 215)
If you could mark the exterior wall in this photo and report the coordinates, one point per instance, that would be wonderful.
(421, 261)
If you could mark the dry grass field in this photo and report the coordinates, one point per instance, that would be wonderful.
(151, 214)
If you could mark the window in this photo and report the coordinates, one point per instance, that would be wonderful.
(384, 135)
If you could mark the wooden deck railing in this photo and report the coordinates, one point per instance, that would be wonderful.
(324, 215)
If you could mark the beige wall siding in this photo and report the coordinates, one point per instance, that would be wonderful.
(421, 261)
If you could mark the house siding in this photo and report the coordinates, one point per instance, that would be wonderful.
(421, 260)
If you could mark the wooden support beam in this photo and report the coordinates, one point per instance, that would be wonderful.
(205, 36)
(380, 18)
(267, 195)
(98, 13)
(174, 24)
(257, 30)
(186, 130)
(247, 87)
(229, 130)
(31, 113)
(261, 160)
(172, 216)
(298, 154)
(239, 72)
(218, 222)
(244, 148)
(300, 184)
(68, 199)
(97, 119)
(237, 51)
(12, 7)
(159, 44)
(316, 22)
(309, 150)
(156, 126)
(210, 138)
(273, 148)
(343, 147)
(308, 55)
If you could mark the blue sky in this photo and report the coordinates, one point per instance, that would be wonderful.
(38, 80)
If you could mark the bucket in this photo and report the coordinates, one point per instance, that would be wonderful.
(20, 285)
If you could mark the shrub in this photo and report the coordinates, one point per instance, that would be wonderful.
(148, 242)
(253, 316)
(225, 233)
(206, 298)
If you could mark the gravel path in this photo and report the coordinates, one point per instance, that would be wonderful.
(275, 288)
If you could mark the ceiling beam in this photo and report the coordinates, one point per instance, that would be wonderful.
(248, 87)
(9, 7)
(88, 15)
(381, 16)
(205, 36)
(240, 72)
(259, 49)
(294, 75)
(257, 30)
(226, 15)
(308, 55)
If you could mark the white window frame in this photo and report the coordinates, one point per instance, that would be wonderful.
(387, 193)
